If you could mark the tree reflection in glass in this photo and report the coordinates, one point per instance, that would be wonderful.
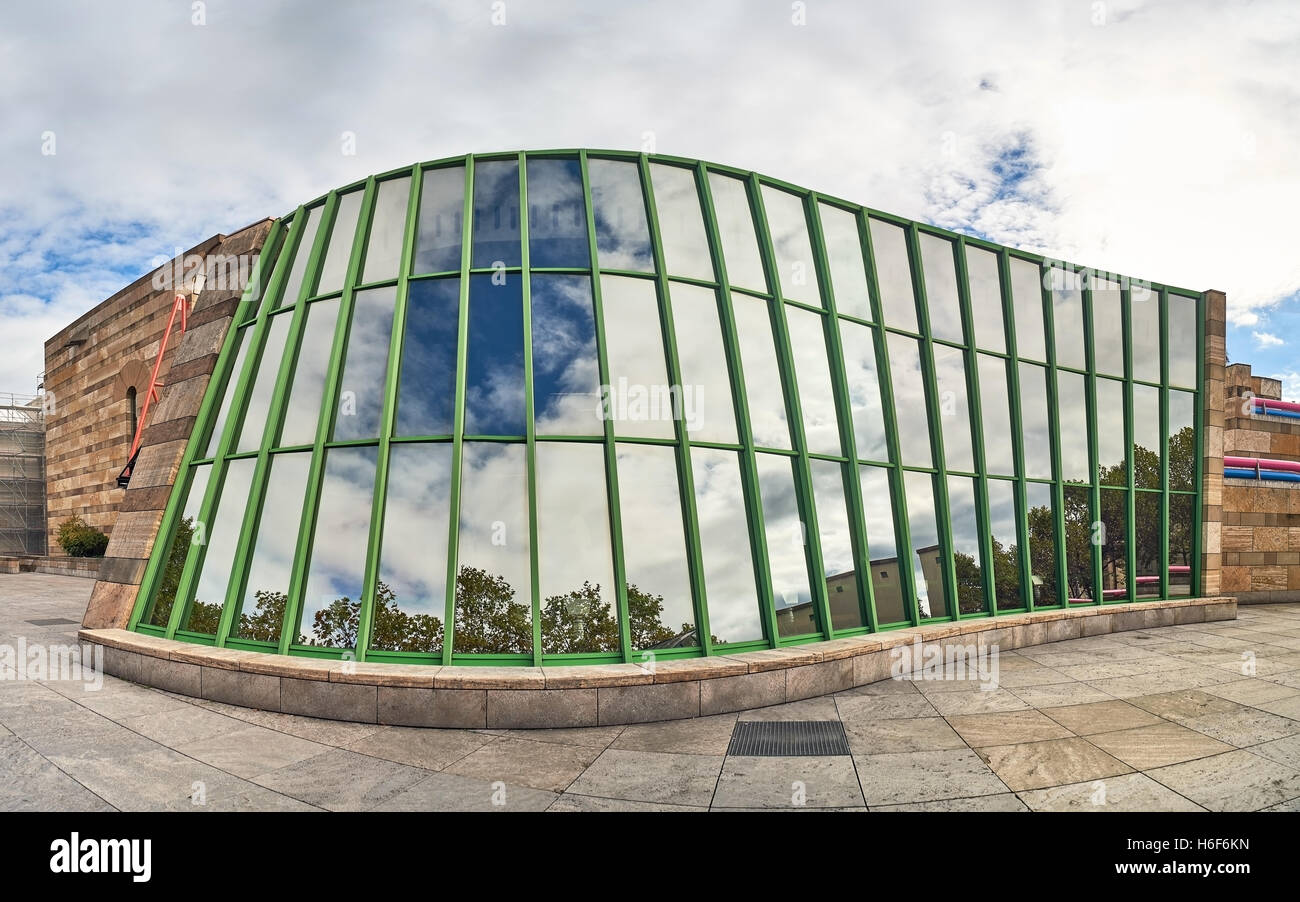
(1042, 543)
(494, 611)
(204, 615)
(259, 613)
(1146, 541)
(336, 570)
(181, 544)
(966, 553)
(660, 611)
(1114, 548)
(1182, 441)
(1181, 533)
(566, 371)
(1006, 545)
(1146, 437)
(1079, 545)
(574, 561)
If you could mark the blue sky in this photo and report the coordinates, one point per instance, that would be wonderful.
(1156, 139)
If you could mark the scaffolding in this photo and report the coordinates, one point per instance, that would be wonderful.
(22, 475)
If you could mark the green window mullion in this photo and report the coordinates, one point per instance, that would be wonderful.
(611, 450)
(530, 428)
(885, 378)
(1054, 440)
(1198, 417)
(1164, 448)
(233, 425)
(685, 473)
(275, 414)
(748, 460)
(939, 485)
(370, 579)
(976, 414)
(1130, 497)
(202, 424)
(458, 415)
(848, 440)
(1093, 416)
(1017, 430)
(794, 406)
(325, 424)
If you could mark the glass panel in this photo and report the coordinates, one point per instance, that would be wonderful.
(622, 231)
(1146, 437)
(736, 232)
(941, 297)
(954, 408)
(426, 393)
(1042, 543)
(496, 214)
(767, 414)
(1146, 524)
(1034, 422)
(659, 604)
(557, 215)
(985, 298)
(1071, 391)
(927, 556)
(204, 615)
(909, 400)
(1079, 544)
(1144, 332)
(574, 562)
(639, 398)
(858, 344)
(494, 612)
(702, 357)
(1108, 330)
(966, 545)
(365, 369)
(302, 411)
(566, 371)
(335, 265)
(293, 284)
(440, 223)
(494, 358)
(999, 454)
(1182, 341)
(411, 595)
(1067, 318)
(232, 383)
(893, 275)
(258, 404)
(260, 614)
(724, 527)
(270, 262)
(681, 227)
(332, 602)
(844, 255)
(788, 226)
(882, 546)
(1006, 546)
(838, 568)
(783, 525)
(1027, 298)
(812, 369)
(1180, 544)
(1182, 441)
(182, 540)
(1114, 548)
(1111, 446)
(387, 228)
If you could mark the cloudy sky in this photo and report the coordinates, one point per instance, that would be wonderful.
(1149, 137)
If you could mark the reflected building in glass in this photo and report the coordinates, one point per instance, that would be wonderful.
(591, 406)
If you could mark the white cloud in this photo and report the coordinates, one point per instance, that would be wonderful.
(1160, 144)
(1267, 340)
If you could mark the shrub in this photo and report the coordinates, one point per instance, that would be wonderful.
(79, 539)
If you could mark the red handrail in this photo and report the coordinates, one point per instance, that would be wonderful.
(179, 305)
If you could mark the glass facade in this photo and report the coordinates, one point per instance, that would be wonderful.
(596, 406)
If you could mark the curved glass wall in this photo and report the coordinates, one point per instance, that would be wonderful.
(598, 406)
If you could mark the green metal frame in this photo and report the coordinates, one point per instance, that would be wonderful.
(282, 248)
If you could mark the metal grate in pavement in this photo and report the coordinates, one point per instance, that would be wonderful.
(51, 621)
(789, 738)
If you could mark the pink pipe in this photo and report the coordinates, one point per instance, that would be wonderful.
(1260, 463)
(1278, 405)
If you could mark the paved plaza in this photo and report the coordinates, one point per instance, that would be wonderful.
(1182, 718)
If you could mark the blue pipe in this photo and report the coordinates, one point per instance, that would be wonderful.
(1243, 473)
(1274, 412)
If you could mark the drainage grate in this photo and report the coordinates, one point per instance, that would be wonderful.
(789, 738)
(51, 621)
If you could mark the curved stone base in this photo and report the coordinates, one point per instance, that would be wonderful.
(607, 694)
